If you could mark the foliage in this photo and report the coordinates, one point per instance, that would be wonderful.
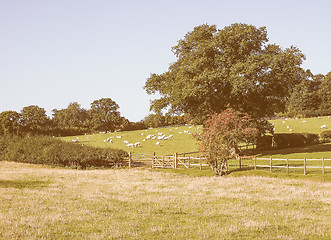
(34, 118)
(10, 122)
(288, 140)
(104, 115)
(326, 136)
(232, 67)
(325, 94)
(47, 150)
(71, 117)
(222, 134)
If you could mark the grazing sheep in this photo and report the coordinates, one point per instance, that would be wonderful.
(74, 140)
(119, 136)
(158, 143)
(130, 145)
(126, 142)
(291, 130)
(323, 126)
(137, 144)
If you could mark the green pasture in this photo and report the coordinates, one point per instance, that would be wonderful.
(39, 202)
(299, 125)
(181, 142)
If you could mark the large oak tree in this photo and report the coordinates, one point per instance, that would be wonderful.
(233, 67)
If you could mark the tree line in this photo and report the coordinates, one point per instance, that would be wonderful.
(102, 116)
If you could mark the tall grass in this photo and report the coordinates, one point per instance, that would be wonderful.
(47, 203)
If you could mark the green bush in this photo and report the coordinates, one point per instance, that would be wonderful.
(287, 140)
(325, 136)
(48, 150)
(264, 142)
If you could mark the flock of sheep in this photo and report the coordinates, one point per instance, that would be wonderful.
(159, 136)
(324, 126)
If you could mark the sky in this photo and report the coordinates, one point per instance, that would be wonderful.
(53, 53)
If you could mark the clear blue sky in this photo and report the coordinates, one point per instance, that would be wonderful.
(56, 52)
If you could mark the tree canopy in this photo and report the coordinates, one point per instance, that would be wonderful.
(233, 67)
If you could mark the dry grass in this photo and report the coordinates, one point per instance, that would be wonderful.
(38, 202)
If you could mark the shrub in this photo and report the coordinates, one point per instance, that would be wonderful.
(264, 142)
(287, 140)
(325, 136)
(47, 150)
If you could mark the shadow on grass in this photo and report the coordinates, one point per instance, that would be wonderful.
(20, 184)
(320, 148)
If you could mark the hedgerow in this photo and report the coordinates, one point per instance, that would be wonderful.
(326, 136)
(287, 140)
(52, 151)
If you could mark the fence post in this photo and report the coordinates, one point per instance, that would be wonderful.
(130, 159)
(175, 161)
(287, 165)
(323, 171)
(271, 164)
(200, 163)
(239, 162)
(254, 163)
(189, 163)
(153, 159)
(304, 166)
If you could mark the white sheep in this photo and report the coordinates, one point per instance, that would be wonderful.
(137, 144)
(323, 126)
(158, 143)
(130, 145)
(126, 142)
(74, 140)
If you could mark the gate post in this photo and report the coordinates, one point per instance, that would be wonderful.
(175, 160)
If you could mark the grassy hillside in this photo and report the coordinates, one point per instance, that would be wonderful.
(311, 125)
(182, 141)
(49, 203)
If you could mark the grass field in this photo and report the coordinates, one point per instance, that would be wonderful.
(310, 125)
(38, 202)
(183, 142)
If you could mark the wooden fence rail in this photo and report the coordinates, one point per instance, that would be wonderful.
(174, 161)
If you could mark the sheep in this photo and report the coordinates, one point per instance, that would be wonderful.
(291, 130)
(158, 143)
(323, 126)
(126, 142)
(137, 144)
(304, 121)
(129, 145)
(74, 140)
(119, 136)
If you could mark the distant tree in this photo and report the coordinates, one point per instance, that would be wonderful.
(324, 93)
(71, 117)
(304, 100)
(10, 122)
(104, 115)
(222, 134)
(155, 120)
(232, 67)
(34, 118)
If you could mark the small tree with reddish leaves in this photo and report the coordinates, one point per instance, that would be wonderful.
(222, 134)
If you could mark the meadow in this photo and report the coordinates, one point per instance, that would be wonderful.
(184, 142)
(39, 202)
(43, 202)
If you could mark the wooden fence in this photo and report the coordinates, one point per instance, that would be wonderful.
(182, 160)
